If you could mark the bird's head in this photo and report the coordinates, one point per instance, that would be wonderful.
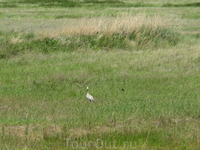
(87, 88)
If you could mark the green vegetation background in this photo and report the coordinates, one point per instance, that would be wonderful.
(140, 59)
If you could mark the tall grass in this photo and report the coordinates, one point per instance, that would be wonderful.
(124, 32)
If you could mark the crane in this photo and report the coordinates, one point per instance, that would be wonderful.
(89, 97)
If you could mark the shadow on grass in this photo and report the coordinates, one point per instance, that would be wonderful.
(87, 3)
(7, 5)
(182, 5)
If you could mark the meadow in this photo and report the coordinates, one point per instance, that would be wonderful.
(141, 60)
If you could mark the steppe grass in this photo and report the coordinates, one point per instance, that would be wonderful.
(43, 98)
(126, 33)
(145, 81)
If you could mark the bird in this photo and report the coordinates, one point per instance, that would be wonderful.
(89, 97)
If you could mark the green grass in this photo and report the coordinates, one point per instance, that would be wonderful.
(182, 5)
(38, 92)
(142, 69)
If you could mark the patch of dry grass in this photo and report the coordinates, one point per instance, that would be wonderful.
(31, 132)
(143, 132)
(109, 25)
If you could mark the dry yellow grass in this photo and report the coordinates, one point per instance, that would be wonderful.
(32, 132)
(90, 26)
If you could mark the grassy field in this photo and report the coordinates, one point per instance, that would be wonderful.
(140, 59)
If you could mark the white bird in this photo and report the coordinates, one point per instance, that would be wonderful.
(88, 96)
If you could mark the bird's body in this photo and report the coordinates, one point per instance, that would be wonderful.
(88, 96)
